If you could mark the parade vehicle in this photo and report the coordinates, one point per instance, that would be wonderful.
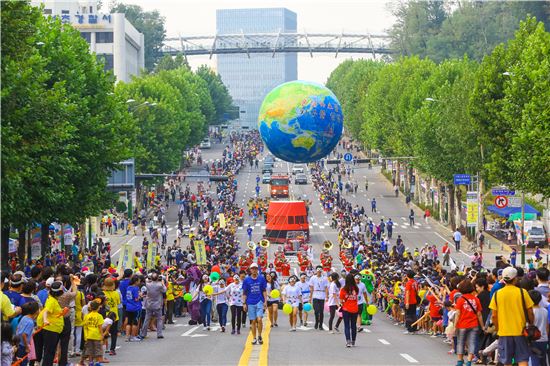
(287, 220)
(295, 241)
(279, 186)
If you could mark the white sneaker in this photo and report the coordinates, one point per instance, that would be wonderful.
(204, 328)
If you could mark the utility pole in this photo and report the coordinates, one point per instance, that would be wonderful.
(522, 228)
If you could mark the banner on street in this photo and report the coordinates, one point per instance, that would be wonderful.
(200, 252)
(222, 220)
(151, 254)
(126, 258)
(472, 209)
(36, 236)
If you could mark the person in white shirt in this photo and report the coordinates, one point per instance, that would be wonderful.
(457, 237)
(362, 300)
(221, 303)
(303, 284)
(234, 293)
(318, 285)
(292, 295)
(333, 298)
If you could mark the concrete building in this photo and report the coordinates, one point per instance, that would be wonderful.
(250, 79)
(110, 36)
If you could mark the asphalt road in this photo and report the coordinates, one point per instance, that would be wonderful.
(382, 344)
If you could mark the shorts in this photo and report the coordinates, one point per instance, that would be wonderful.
(132, 317)
(360, 308)
(435, 319)
(295, 304)
(93, 348)
(515, 347)
(255, 311)
(271, 303)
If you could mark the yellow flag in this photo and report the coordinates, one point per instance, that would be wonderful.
(200, 252)
(151, 254)
(222, 220)
(126, 258)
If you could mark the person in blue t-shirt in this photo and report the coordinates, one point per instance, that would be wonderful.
(255, 301)
(25, 329)
(133, 309)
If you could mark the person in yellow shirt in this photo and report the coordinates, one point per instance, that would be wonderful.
(93, 336)
(51, 321)
(169, 303)
(512, 309)
(112, 301)
(78, 304)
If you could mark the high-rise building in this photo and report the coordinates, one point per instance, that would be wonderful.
(250, 79)
(110, 36)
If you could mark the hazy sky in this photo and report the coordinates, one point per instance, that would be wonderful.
(194, 17)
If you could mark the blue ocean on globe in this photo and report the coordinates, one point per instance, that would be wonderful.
(300, 121)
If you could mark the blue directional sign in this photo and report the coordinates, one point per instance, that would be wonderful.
(502, 192)
(348, 157)
(464, 179)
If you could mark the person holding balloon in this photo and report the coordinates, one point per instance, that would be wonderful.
(292, 296)
(273, 288)
(204, 294)
(234, 292)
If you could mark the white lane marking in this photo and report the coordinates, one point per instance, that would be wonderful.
(366, 330)
(404, 219)
(263, 227)
(258, 224)
(408, 358)
(321, 227)
(383, 341)
(199, 335)
(188, 333)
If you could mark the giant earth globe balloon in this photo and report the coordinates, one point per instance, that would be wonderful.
(300, 121)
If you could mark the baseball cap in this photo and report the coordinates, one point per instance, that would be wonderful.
(509, 273)
(254, 265)
(49, 281)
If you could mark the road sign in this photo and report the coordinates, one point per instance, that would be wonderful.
(502, 192)
(348, 157)
(514, 201)
(464, 179)
(501, 201)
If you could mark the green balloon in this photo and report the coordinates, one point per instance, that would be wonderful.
(214, 276)
(188, 297)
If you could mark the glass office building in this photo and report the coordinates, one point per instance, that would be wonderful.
(250, 79)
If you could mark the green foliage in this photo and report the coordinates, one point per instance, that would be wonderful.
(171, 63)
(441, 30)
(218, 93)
(62, 128)
(151, 24)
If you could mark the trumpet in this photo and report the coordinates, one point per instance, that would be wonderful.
(327, 245)
(346, 244)
(251, 245)
(264, 243)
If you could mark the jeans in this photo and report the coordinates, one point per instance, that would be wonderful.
(333, 309)
(410, 318)
(114, 335)
(178, 305)
(350, 325)
(169, 311)
(539, 360)
(222, 313)
(318, 308)
(64, 340)
(206, 308)
(236, 316)
(469, 336)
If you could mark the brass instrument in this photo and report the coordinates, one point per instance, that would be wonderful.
(327, 245)
(264, 243)
(346, 244)
(251, 245)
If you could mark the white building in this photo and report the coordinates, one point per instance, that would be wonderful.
(110, 36)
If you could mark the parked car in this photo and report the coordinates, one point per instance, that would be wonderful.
(206, 144)
(300, 179)
(298, 169)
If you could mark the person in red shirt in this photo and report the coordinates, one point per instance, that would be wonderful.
(435, 311)
(446, 251)
(411, 292)
(467, 319)
(350, 309)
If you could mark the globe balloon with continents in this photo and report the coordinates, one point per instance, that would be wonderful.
(300, 121)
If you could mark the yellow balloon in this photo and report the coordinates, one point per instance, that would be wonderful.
(421, 293)
(275, 294)
(207, 290)
(287, 308)
(372, 309)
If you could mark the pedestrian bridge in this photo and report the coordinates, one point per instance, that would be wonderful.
(278, 42)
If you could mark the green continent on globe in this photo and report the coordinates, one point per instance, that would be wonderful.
(303, 141)
(300, 121)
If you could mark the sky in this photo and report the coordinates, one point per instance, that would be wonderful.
(193, 17)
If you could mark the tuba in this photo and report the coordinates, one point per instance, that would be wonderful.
(251, 245)
(327, 245)
(346, 244)
(264, 243)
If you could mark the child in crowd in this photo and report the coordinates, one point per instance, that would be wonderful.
(25, 329)
(93, 322)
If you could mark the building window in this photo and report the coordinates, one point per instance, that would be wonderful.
(107, 60)
(48, 11)
(91, 9)
(87, 36)
(104, 37)
(64, 12)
